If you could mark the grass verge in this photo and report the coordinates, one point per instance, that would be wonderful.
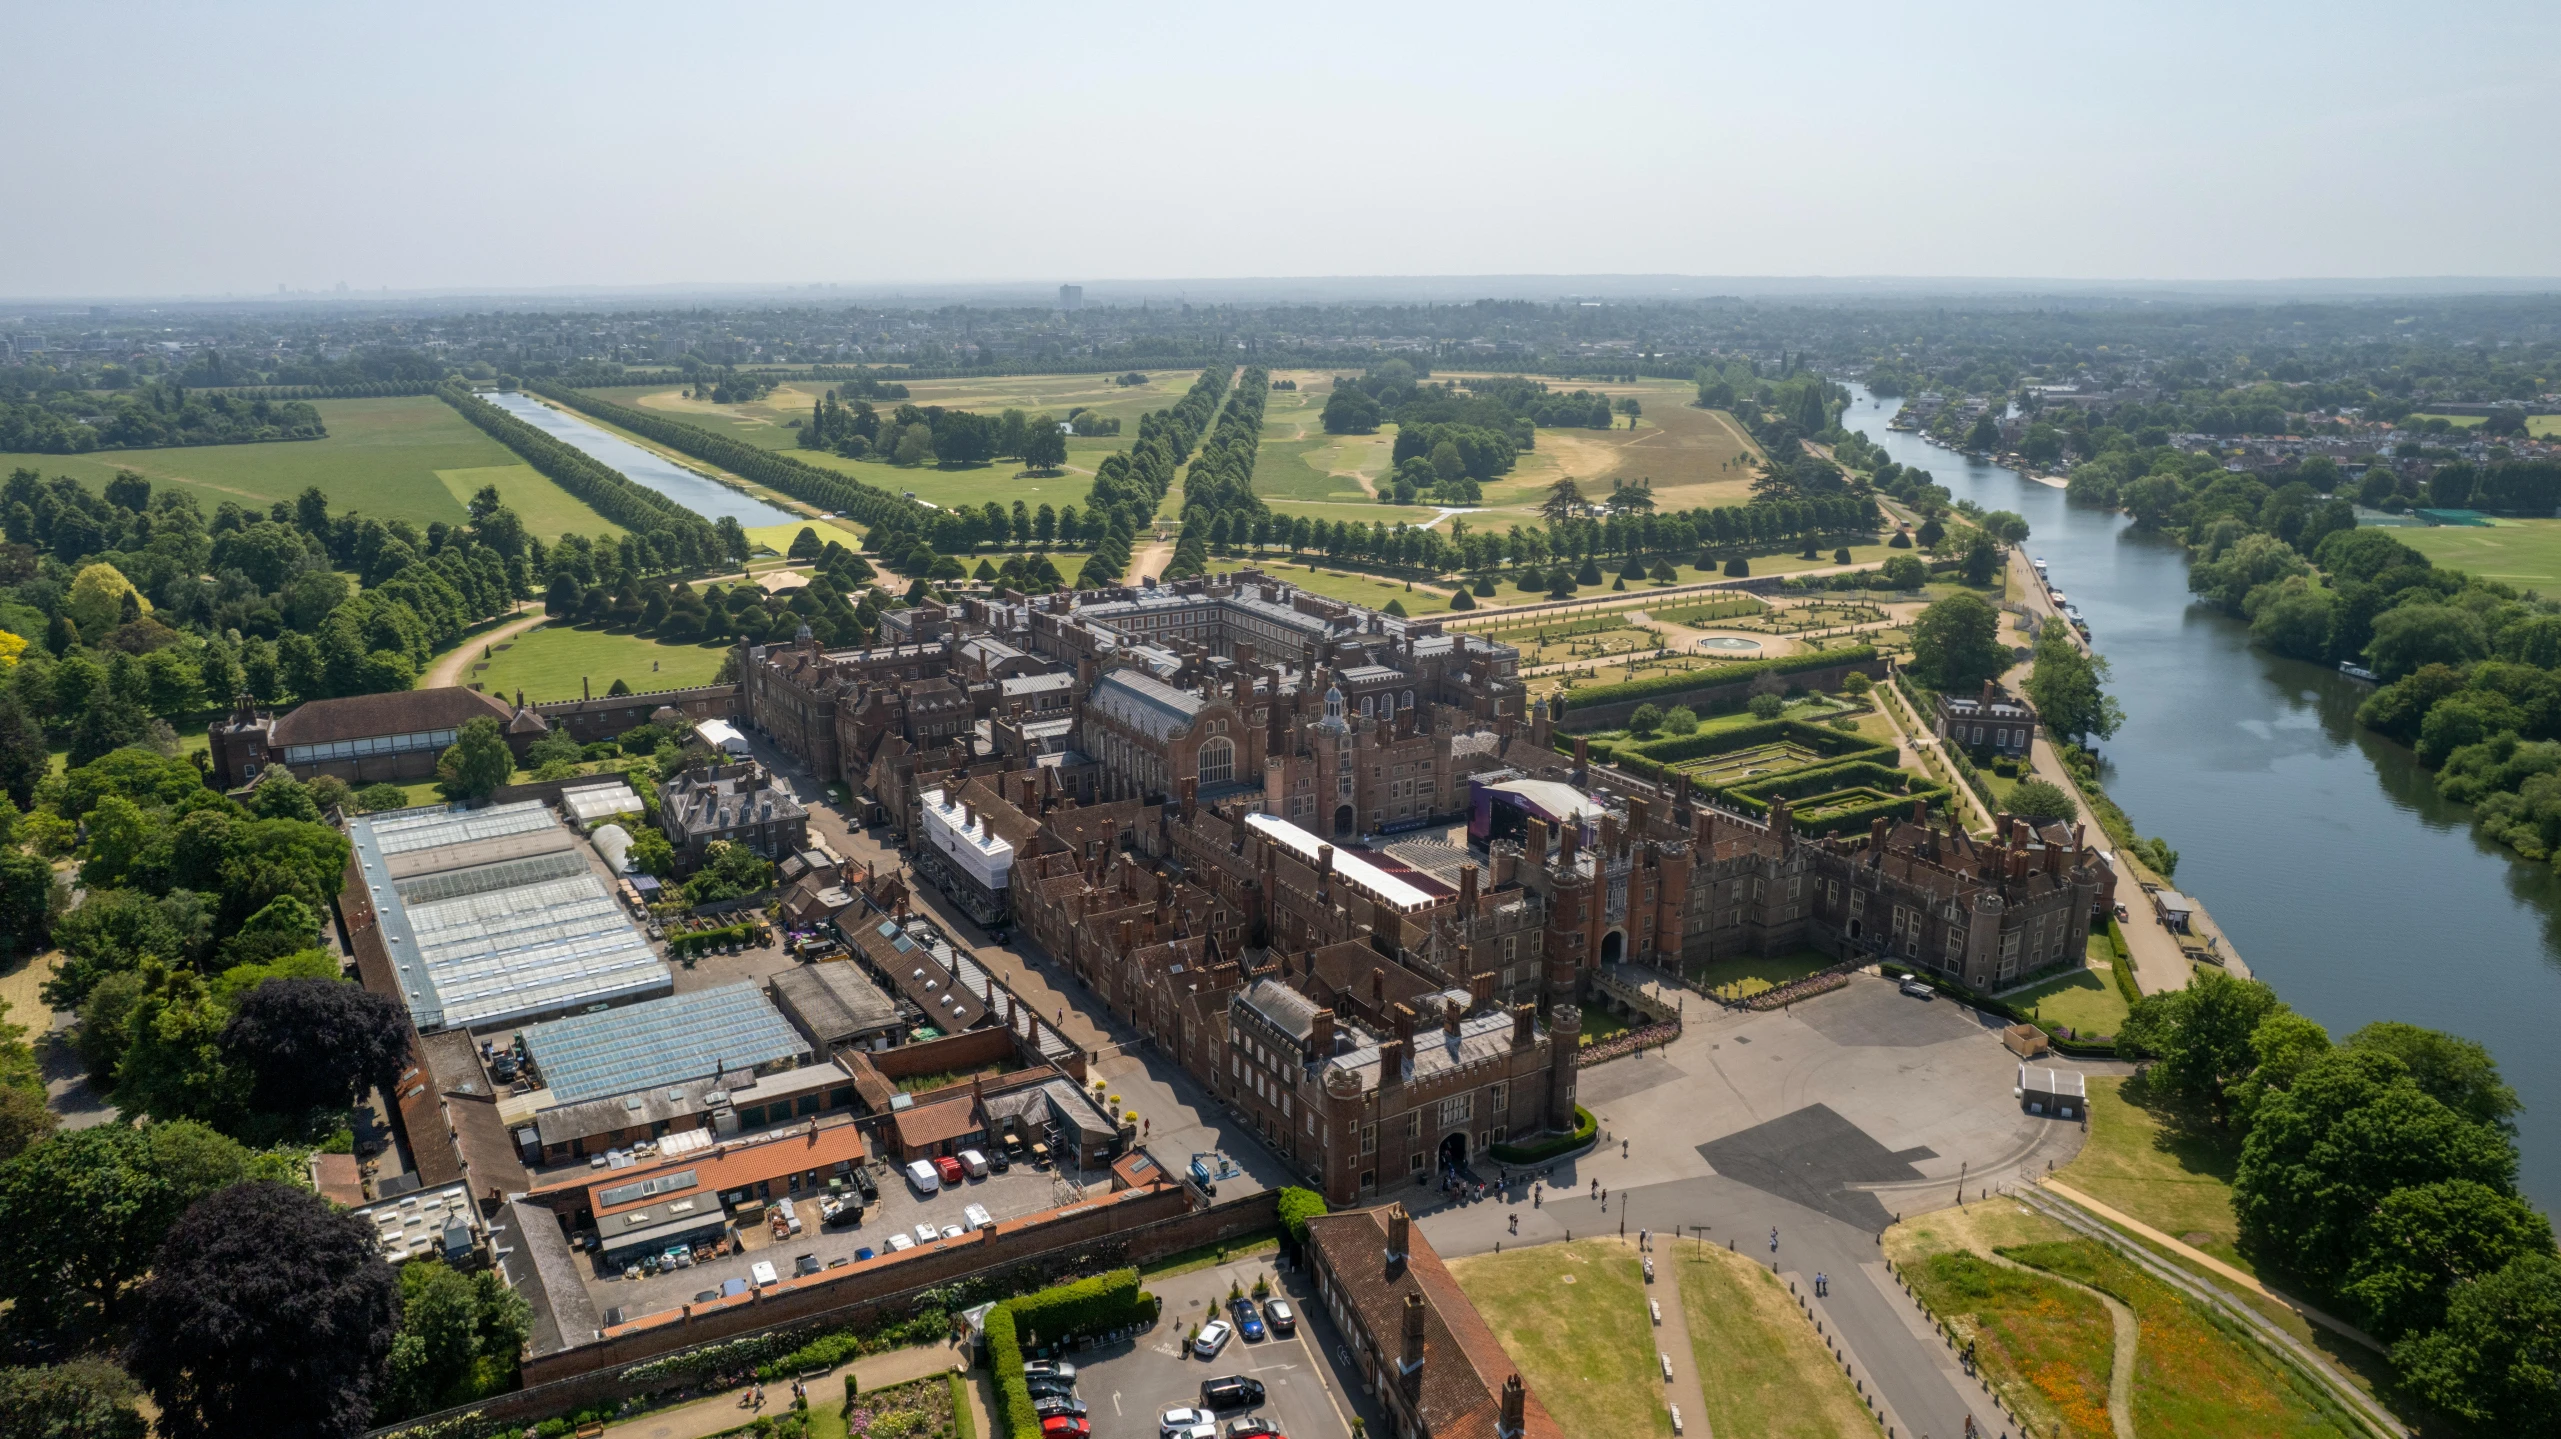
(1762, 1369)
(2140, 1160)
(1573, 1317)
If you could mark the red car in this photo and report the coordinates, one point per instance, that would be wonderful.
(948, 1168)
(1065, 1426)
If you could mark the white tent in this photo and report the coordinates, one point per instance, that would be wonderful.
(615, 845)
(722, 735)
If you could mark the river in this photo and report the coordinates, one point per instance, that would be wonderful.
(707, 498)
(2323, 851)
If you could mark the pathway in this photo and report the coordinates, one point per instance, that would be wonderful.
(724, 1412)
(449, 669)
(1688, 1398)
(2120, 1378)
(2204, 1260)
(1916, 740)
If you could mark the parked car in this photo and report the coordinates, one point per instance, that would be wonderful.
(1213, 1337)
(973, 1163)
(1049, 1388)
(837, 1213)
(999, 1161)
(1251, 1427)
(732, 1288)
(927, 1234)
(1065, 1426)
(1181, 1420)
(1918, 990)
(866, 1251)
(802, 1264)
(953, 1231)
(863, 1181)
(948, 1168)
(1248, 1322)
(762, 1271)
(1233, 1391)
(1052, 1405)
(1283, 1319)
(707, 1296)
(1050, 1369)
(901, 1242)
(976, 1217)
(925, 1177)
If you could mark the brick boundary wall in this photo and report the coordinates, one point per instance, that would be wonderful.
(1150, 1224)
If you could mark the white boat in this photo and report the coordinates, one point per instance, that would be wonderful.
(2040, 565)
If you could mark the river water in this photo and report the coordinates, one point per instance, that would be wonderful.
(707, 498)
(2323, 851)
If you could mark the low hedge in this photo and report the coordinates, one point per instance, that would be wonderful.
(1539, 1151)
(1822, 739)
(1014, 1416)
(2123, 967)
(696, 940)
(1684, 681)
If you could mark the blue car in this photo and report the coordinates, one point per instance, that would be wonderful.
(1248, 1323)
(863, 1253)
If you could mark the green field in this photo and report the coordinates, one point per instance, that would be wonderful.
(2523, 553)
(550, 663)
(1573, 1317)
(2142, 1162)
(1349, 587)
(546, 508)
(2541, 427)
(385, 458)
(1748, 975)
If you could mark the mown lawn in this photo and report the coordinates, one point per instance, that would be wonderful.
(1573, 1317)
(1743, 977)
(1762, 1369)
(2191, 1379)
(549, 664)
(386, 458)
(2086, 999)
(2176, 1181)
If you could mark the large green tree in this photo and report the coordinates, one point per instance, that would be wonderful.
(478, 762)
(89, 1206)
(2199, 1039)
(2424, 1241)
(2496, 1361)
(1956, 644)
(2067, 687)
(2324, 1153)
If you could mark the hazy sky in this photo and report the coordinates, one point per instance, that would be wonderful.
(164, 149)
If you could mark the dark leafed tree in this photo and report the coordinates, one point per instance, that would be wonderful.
(805, 545)
(315, 1043)
(266, 1314)
(1564, 500)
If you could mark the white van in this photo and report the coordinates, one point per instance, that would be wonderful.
(976, 1216)
(921, 1174)
(974, 1163)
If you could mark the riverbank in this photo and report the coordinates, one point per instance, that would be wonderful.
(2353, 887)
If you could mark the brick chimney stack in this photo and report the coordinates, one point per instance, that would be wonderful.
(1515, 1417)
(1534, 841)
(1409, 1364)
(1467, 889)
(1480, 985)
(1524, 1025)
(1378, 990)
(1391, 1063)
(1570, 843)
(1638, 811)
(1450, 1015)
(1320, 1035)
(1402, 1018)
(1128, 932)
(1399, 1239)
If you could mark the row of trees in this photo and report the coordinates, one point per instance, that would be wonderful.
(1129, 486)
(678, 532)
(2380, 1172)
(1218, 489)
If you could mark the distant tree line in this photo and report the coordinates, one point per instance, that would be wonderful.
(160, 414)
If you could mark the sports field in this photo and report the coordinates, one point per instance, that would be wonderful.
(549, 664)
(2523, 553)
(409, 458)
(2542, 427)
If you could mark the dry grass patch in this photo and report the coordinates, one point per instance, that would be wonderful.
(1763, 1370)
(1573, 1317)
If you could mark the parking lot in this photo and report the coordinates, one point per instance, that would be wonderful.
(1126, 1386)
(1021, 1191)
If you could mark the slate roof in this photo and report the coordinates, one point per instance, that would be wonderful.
(1464, 1366)
(1144, 703)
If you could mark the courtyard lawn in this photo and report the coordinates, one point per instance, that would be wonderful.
(778, 538)
(1762, 1369)
(2192, 1378)
(1747, 975)
(2522, 553)
(2086, 999)
(1573, 1317)
(2143, 1163)
(386, 458)
(1349, 586)
(550, 663)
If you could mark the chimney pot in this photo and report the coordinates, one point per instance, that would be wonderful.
(1412, 1362)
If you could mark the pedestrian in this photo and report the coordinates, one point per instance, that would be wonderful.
(1622, 1149)
(1516, 1221)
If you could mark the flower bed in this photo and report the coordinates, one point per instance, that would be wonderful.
(919, 1409)
(1627, 1042)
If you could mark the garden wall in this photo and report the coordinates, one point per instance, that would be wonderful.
(1725, 688)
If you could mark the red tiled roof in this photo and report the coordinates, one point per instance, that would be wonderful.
(1464, 1366)
(393, 712)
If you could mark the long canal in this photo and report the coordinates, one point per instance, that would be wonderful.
(2323, 850)
(707, 498)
